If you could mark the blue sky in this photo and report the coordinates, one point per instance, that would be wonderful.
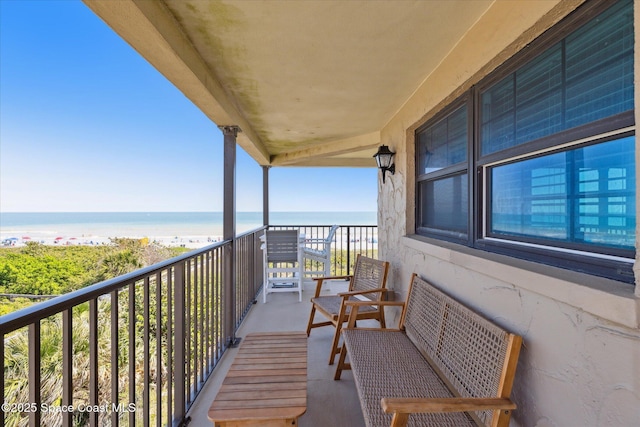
(87, 125)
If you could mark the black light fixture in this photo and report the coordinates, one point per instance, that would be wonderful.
(384, 158)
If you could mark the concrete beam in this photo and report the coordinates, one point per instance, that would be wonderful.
(319, 153)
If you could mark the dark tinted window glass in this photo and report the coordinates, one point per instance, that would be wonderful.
(445, 203)
(443, 144)
(586, 77)
(599, 67)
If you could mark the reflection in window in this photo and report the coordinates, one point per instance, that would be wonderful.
(581, 196)
(443, 144)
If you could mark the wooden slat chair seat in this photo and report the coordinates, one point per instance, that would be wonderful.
(368, 282)
(445, 366)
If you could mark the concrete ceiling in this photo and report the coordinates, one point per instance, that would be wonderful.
(309, 83)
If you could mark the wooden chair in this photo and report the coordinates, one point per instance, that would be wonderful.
(367, 282)
(282, 262)
(318, 251)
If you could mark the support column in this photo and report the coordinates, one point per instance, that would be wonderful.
(229, 233)
(265, 195)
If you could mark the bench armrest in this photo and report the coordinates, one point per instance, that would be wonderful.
(401, 407)
(355, 307)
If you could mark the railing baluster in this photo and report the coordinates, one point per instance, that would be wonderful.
(215, 302)
(229, 307)
(202, 320)
(180, 342)
(251, 253)
(2, 399)
(170, 355)
(158, 338)
(146, 378)
(35, 417)
(93, 360)
(132, 351)
(348, 250)
(237, 285)
(115, 350)
(207, 308)
(67, 366)
(197, 319)
(188, 329)
(218, 299)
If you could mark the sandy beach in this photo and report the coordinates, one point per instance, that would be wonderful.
(18, 240)
(173, 229)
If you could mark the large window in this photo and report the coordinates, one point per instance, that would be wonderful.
(551, 140)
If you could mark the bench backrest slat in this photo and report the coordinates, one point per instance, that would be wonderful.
(471, 353)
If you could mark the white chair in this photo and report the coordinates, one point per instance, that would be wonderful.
(318, 251)
(282, 262)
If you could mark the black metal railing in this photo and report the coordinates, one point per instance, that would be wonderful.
(248, 272)
(138, 349)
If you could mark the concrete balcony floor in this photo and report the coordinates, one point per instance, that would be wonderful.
(329, 403)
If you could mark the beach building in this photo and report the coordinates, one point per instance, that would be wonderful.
(513, 187)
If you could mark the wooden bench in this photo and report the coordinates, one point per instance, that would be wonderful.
(266, 385)
(444, 366)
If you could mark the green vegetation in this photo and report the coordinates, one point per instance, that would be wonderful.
(49, 270)
(17, 364)
(45, 270)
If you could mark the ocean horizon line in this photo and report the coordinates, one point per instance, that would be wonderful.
(180, 212)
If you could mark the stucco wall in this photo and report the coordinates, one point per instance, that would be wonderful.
(580, 364)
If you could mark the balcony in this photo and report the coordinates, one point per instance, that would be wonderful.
(152, 346)
(283, 312)
(294, 106)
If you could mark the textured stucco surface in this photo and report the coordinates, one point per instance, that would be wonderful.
(580, 363)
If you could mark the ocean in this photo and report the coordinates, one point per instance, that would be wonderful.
(90, 227)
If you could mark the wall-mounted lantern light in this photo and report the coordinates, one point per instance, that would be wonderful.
(384, 158)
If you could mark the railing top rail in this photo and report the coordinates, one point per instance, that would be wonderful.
(26, 316)
(323, 225)
(253, 231)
